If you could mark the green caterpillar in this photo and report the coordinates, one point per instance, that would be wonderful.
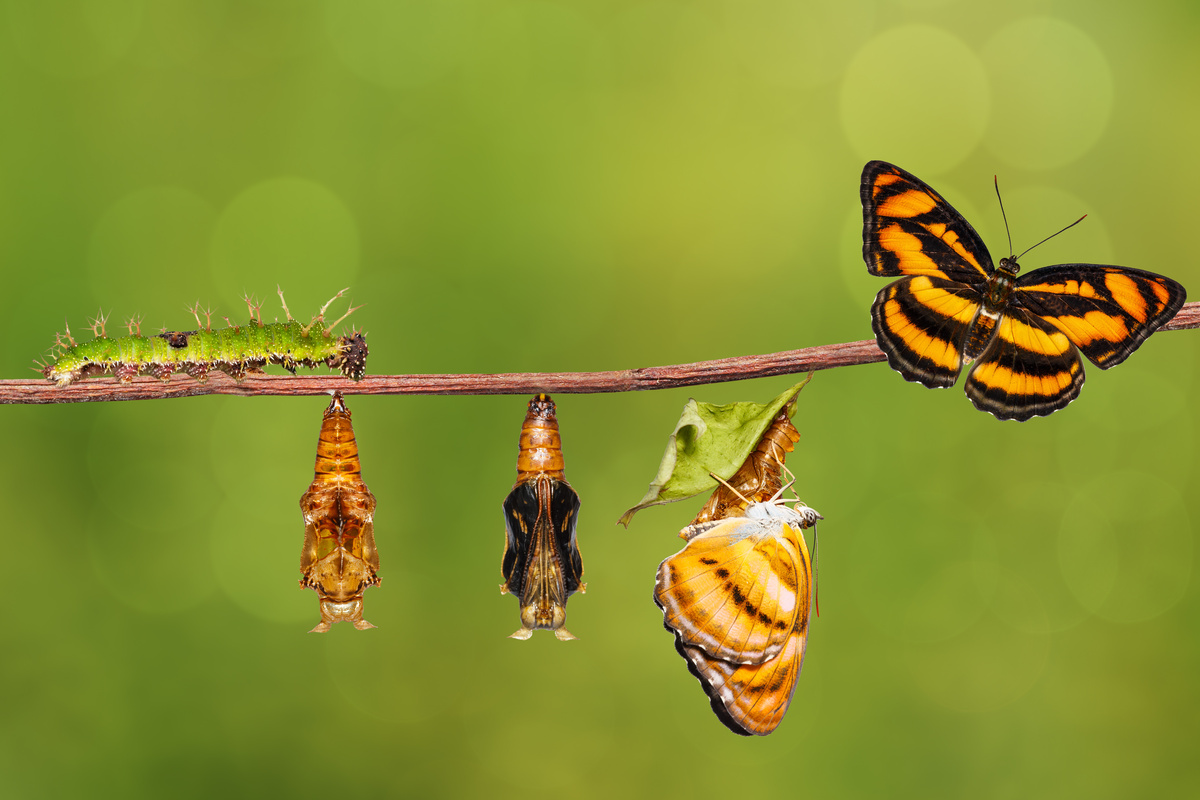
(236, 350)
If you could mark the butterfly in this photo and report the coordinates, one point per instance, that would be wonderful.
(738, 597)
(953, 306)
(542, 565)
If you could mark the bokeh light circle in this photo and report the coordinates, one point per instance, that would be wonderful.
(285, 231)
(1125, 546)
(1052, 92)
(995, 661)
(145, 236)
(917, 94)
(75, 38)
(398, 44)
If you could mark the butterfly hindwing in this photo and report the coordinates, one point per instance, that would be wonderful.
(921, 322)
(909, 229)
(1106, 311)
(750, 699)
(734, 590)
(1029, 369)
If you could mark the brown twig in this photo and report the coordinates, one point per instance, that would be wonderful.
(809, 359)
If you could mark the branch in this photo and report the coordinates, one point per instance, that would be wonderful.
(809, 359)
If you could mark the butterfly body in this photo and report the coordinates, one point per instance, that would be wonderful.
(738, 598)
(542, 565)
(951, 306)
(339, 559)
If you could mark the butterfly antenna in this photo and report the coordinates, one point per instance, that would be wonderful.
(816, 583)
(996, 181)
(1048, 238)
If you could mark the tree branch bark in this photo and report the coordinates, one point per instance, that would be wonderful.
(809, 359)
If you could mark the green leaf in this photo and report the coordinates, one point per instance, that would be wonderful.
(710, 438)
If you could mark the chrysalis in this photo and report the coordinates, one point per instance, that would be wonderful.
(339, 560)
(760, 476)
(542, 565)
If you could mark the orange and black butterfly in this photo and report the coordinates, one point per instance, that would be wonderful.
(952, 306)
(542, 565)
(339, 560)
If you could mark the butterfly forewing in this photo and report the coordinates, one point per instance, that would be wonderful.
(541, 514)
(920, 323)
(908, 229)
(1106, 311)
(734, 590)
(1029, 369)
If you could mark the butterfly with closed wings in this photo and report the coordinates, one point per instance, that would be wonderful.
(738, 597)
(951, 306)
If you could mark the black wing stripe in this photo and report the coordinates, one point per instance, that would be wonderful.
(1106, 311)
(920, 323)
(1029, 370)
(909, 229)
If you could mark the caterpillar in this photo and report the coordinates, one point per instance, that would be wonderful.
(236, 350)
(339, 560)
(542, 565)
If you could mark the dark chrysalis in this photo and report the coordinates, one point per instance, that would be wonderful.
(339, 559)
(542, 565)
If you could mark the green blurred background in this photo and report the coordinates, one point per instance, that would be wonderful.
(1009, 610)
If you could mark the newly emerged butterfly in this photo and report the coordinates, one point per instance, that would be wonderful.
(738, 598)
(542, 565)
(339, 560)
(952, 306)
(236, 350)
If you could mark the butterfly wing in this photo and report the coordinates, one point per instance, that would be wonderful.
(909, 229)
(541, 514)
(751, 699)
(521, 510)
(920, 323)
(1030, 369)
(1107, 312)
(734, 590)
